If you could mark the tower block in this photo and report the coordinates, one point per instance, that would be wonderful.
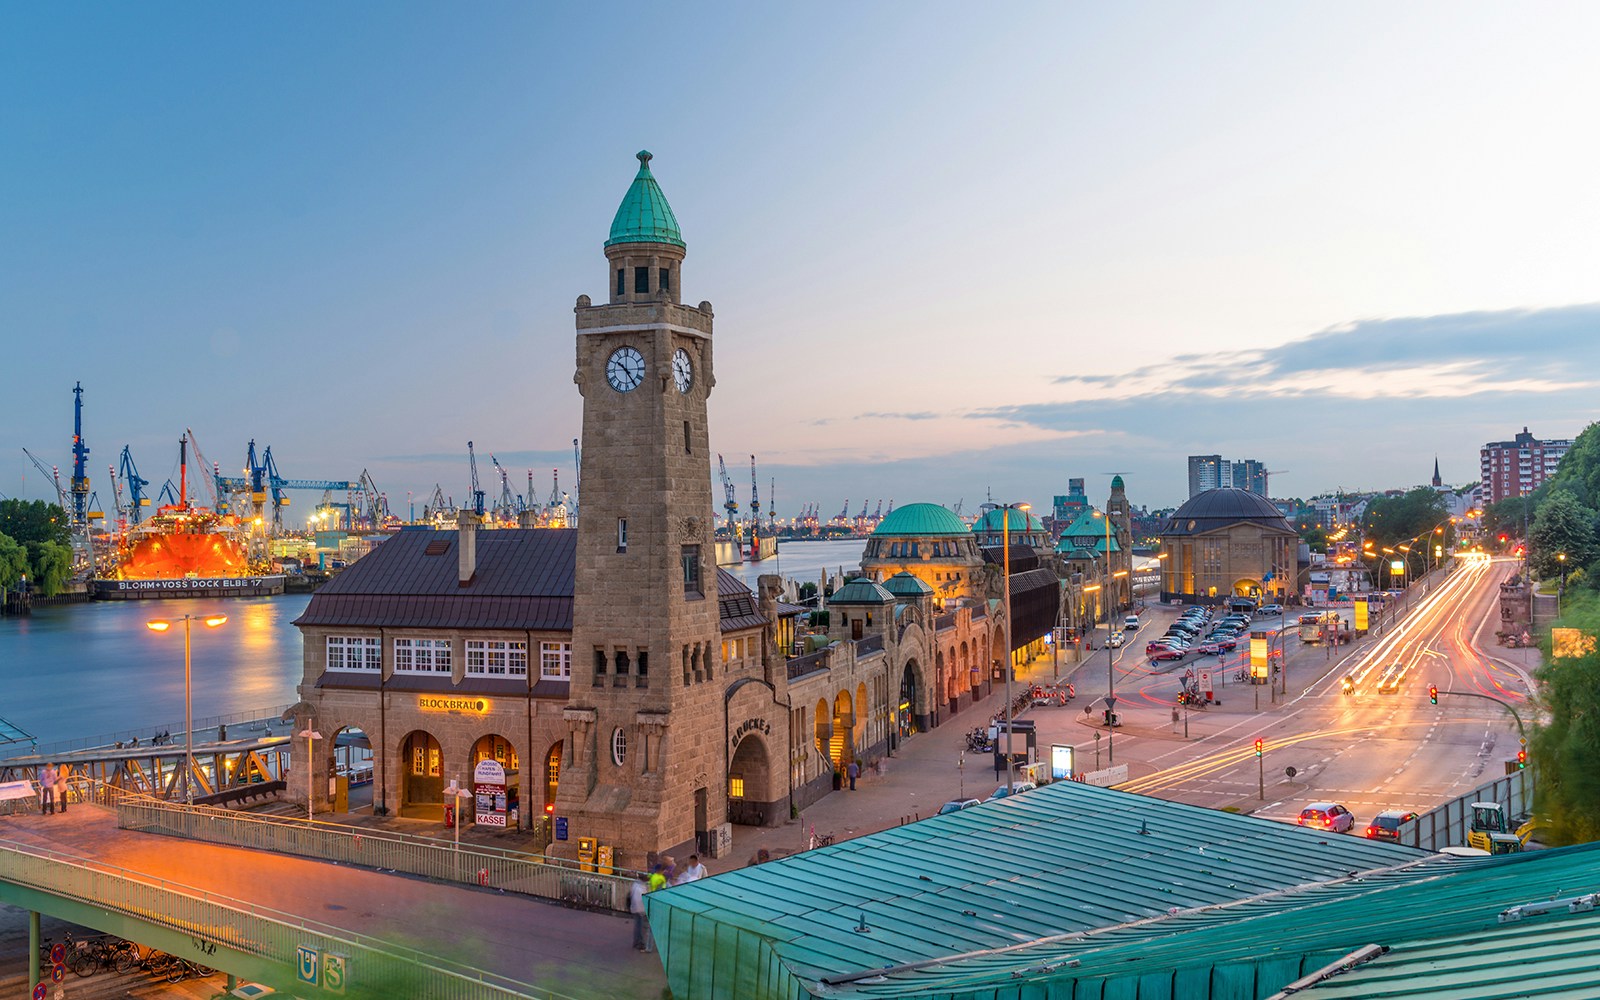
(646, 760)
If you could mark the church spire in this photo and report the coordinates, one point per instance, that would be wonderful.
(1436, 480)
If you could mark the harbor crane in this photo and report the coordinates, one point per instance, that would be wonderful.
(891, 508)
(956, 510)
(135, 484)
(262, 478)
(477, 491)
(755, 499)
(729, 504)
(82, 550)
(844, 513)
(506, 509)
(877, 515)
(80, 455)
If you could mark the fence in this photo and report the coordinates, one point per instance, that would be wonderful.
(143, 733)
(1447, 825)
(512, 871)
(253, 930)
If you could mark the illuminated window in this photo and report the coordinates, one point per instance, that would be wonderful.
(496, 658)
(555, 661)
(422, 656)
(735, 787)
(354, 653)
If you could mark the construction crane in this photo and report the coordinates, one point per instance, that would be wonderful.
(83, 553)
(437, 506)
(135, 484)
(729, 504)
(1266, 480)
(477, 491)
(262, 478)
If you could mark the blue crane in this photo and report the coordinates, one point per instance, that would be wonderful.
(136, 484)
(80, 455)
(477, 492)
(261, 477)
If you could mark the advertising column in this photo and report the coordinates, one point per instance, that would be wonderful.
(489, 788)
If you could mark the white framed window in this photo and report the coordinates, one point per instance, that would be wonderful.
(555, 661)
(619, 746)
(422, 656)
(496, 658)
(354, 652)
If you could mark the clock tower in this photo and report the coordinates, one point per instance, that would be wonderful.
(645, 768)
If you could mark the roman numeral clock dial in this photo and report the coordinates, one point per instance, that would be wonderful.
(625, 369)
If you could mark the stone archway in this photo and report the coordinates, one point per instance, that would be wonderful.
(502, 803)
(421, 776)
(1246, 587)
(750, 790)
(842, 750)
(859, 737)
(906, 718)
(351, 763)
(552, 777)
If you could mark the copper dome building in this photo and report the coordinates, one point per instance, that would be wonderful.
(1228, 543)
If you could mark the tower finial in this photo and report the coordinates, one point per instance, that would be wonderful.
(644, 159)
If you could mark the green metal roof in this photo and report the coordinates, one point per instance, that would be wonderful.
(861, 591)
(919, 520)
(976, 900)
(1017, 520)
(1087, 533)
(905, 584)
(644, 215)
(1116, 482)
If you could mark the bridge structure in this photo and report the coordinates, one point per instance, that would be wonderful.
(316, 909)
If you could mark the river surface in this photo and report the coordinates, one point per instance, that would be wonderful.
(93, 669)
(85, 670)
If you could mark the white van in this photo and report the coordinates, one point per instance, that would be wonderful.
(1130, 623)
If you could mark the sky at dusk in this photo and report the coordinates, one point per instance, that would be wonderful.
(953, 249)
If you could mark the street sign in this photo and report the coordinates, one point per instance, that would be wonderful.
(335, 972)
(308, 966)
(561, 828)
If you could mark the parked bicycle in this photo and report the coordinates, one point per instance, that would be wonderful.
(103, 954)
(181, 969)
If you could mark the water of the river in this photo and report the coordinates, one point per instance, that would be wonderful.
(84, 670)
(94, 669)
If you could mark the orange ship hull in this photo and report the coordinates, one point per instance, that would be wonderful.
(180, 554)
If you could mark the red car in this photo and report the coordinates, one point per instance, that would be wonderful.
(1168, 654)
(1219, 646)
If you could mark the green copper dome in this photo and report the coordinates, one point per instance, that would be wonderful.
(644, 215)
(1116, 482)
(861, 591)
(903, 584)
(919, 520)
(1015, 521)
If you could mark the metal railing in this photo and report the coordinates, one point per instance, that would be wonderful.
(470, 864)
(1447, 825)
(143, 733)
(252, 929)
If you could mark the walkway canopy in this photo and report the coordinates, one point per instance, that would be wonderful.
(1016, 898)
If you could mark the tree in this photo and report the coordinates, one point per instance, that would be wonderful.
(1392, 520)
(1510, 517)
(49, 566)
(1580, 468)
(1566, 749)
(13, 562)
(1562, 526)
(35, 521)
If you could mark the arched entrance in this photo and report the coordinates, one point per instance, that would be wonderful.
(552, 777)
(496, 802)
(352, 770)
(905, 717)
(1247, 588)
(843, 751)
(749, 785)
(421, 777)
(859, 737)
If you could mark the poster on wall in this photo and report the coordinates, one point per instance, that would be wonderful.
(489, 788)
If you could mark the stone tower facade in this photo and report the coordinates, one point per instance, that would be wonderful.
(1122, 529)
(646, 763)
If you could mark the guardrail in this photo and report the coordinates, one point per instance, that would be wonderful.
(513, 871)
(143, 733)
(1447, 825)
(254, 930)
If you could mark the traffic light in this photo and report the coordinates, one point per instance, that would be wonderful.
(1433, 693)
(1522, 759)
(1258, 749)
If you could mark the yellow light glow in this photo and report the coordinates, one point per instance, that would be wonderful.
(158, 626)
(216, 620)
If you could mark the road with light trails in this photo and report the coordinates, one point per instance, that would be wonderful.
(1371, 750)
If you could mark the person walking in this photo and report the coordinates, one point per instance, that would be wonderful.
(694, 872)
(47, 790)
(854, 771)
(642, 939)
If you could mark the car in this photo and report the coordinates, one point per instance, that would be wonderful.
(1114, 640)
(1193, 616)
(1130, 623)
(1271, 610)
(1311, 618)
(1173, 653)
(1187, 628)
(1218, 646)
(1393, 676)
(956, 805)
(1177, 639)
(1160, 645)
(1386, 825)
(1327, 816)
(1017, 788)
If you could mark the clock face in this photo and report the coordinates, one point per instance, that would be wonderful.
(625, 369)
(682, 370)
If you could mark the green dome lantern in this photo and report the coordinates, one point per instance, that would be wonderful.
(644, 215)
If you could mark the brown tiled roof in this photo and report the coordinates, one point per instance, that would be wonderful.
(524, 581)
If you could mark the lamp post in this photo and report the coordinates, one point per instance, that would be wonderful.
(311, 736)
(456, 792)
(161, 625)
(1111, 667)
(1561, 582)
(1005, 510)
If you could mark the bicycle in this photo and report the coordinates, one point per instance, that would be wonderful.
(111, 954)
(182, 968)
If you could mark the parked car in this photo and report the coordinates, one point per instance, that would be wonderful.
(1218, 646)
(1114, 640)
(1173, 653)
(1327, 816)
(1158, 645)
(1271, 610)
(1386, 825)
(1017, 788)
(956, 805)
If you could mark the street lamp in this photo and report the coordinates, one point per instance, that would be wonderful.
(311, 736)
(456, 792)
(1111, 668)
(1561, 583)
(161, 625)
(1005, 543)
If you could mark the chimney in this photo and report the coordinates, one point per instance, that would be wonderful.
(467, 546)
